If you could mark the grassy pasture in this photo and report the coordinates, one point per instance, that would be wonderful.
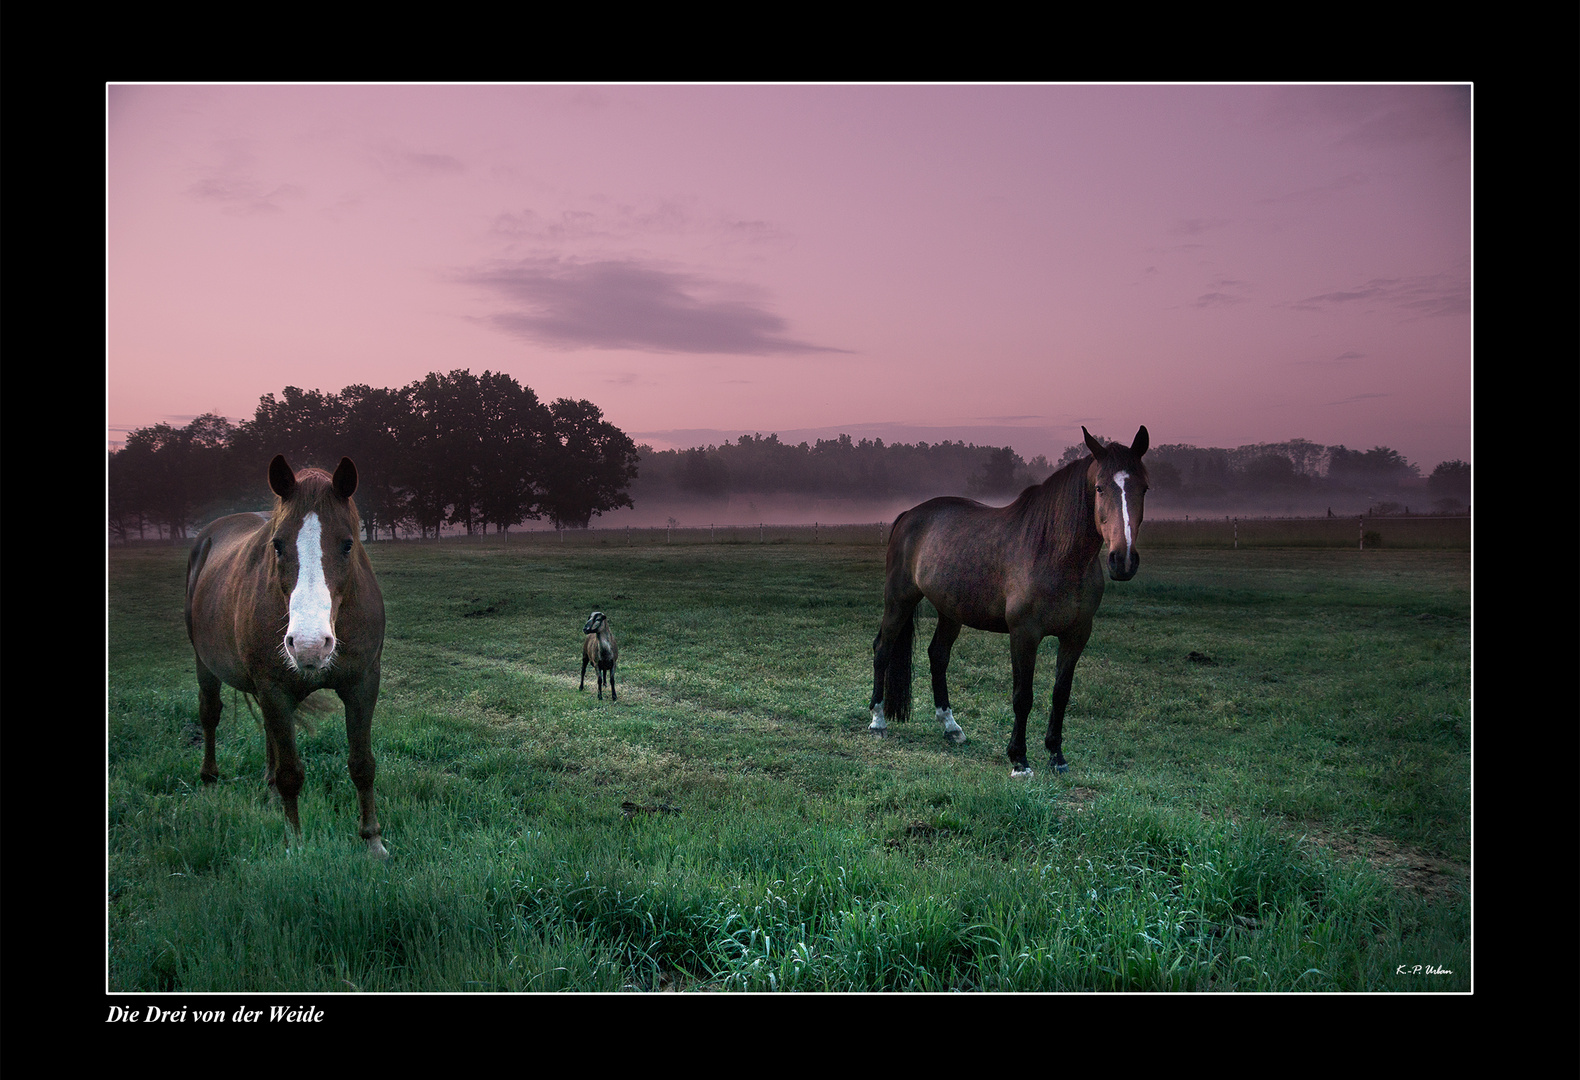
(1269, 786)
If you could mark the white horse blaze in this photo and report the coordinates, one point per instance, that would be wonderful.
(310, 634)
(1124, 509)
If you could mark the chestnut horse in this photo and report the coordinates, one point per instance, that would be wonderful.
(1029, 570)
(281, 605)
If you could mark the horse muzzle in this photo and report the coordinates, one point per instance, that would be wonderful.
(1123, 567)
(310, 655)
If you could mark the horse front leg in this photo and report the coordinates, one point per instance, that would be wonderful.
(359, 701)
(1070, 648)
(285, 773)
(1023, 663)
(938, 663)
(210, 704)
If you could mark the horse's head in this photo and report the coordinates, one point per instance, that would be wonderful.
(595, 623)
(314, 534)
(1120, 482)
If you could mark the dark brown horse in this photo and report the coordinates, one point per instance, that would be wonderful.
(1029, 570)
(281, 605)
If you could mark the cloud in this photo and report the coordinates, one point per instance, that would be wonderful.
(1374, 117)
(1217, 297)
(1197, 226)
(631, 304)
(244, 197)
(1352, 399)
(1344, 359)
(1423, 294)
(401, 164)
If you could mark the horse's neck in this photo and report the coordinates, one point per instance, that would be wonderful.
(1066, 537)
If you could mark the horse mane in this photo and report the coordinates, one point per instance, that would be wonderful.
(1058, 515)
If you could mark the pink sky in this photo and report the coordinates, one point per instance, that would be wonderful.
(1000, 264)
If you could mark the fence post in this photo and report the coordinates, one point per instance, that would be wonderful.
(1362, 520)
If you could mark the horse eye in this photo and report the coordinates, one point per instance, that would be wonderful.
(345, 546)
(279, 546)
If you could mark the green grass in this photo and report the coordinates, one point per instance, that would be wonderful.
(1268, 748)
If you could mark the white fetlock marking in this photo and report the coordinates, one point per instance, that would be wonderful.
(878, 724)
(952, 730)
(1020, 774)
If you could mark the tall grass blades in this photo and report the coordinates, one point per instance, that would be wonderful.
(1268, 788)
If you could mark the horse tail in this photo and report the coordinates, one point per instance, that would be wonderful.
(897, 676)
(316, 703)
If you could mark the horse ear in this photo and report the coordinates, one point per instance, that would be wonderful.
(1092, 443)
(282, 481)
(345, 478)
(1139, 447)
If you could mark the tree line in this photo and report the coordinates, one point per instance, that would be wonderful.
(833, 468)
(455, 449)
(467, 450)
(842, 467)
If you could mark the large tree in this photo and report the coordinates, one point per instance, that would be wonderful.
(590, 465)
(516, 433)
(171, 476)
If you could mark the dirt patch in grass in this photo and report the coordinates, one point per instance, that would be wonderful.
(1081, 797)
(1408, 868)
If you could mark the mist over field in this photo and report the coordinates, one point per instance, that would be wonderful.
(781, 509)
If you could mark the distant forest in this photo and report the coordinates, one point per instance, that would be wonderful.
(462, 450)
(1184, 475)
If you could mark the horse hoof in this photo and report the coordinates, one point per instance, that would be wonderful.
(377, 850)
(956, 737)
(1060, 767)
(878, 732)
(1021, 772)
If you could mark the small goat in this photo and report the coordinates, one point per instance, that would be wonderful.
(599, 650)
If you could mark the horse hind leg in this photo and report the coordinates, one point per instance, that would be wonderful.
(938, 663)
